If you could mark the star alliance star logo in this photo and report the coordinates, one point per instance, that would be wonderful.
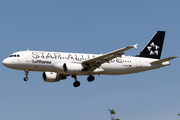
(153, 49)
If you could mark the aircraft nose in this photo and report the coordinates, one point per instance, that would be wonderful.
(6, 62)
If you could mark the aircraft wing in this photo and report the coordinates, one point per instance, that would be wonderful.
(97, 61)
(163, 60)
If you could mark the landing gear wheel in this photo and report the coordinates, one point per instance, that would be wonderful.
(76, 84)
(90, 78)
(26, 73)
(26, 78)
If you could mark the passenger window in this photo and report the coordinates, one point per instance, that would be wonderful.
(18, 56)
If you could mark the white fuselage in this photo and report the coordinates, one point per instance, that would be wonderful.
(47, 62)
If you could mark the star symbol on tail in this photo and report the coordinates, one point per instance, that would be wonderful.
(153, 49)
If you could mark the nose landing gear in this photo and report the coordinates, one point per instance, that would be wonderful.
(26, 73)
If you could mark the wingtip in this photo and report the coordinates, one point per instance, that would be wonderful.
(175, 56)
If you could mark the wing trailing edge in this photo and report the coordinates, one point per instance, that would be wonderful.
(109, 56)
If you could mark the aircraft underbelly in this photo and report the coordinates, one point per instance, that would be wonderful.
(117, 69)
(125, 68)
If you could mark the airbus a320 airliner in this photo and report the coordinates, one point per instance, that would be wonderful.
(57, 66)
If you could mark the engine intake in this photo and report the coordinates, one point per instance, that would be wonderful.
(53, 77)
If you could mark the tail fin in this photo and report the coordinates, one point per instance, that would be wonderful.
(154, 47)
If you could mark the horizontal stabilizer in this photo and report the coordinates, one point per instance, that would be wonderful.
(163, 60)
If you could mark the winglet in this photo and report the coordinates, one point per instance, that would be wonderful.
(135, 46)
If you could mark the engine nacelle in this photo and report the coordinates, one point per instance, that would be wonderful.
(69, 68)
(53, 77)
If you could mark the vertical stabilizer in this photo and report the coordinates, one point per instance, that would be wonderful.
(154, 47)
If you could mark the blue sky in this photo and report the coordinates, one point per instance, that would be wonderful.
(96, 26)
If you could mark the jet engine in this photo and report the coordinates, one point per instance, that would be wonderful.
(69, 68)
(53, 77)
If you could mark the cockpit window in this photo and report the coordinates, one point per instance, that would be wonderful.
(14, 56)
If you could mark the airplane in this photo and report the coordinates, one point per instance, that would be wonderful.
(57, 66)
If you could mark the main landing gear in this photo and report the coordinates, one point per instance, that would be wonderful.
(26, 73)
(77, 83)
(90, 78)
